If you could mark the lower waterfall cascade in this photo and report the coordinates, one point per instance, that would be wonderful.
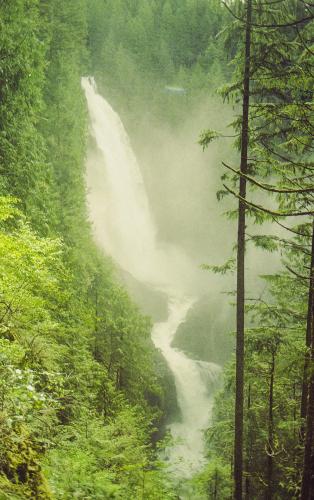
(124, 228)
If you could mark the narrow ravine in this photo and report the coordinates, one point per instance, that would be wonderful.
(124, 228)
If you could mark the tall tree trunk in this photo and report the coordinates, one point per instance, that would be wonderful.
(238, 440)
(96, 323)
(215, 487)
(270, 444)
(307, 489)
(305, 384)
(249, 450)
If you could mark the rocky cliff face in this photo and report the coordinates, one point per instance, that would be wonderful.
(204, 334)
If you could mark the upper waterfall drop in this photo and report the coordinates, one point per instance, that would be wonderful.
(122, 219)
(126, 227)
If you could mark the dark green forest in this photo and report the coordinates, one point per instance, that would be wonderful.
(85, 397)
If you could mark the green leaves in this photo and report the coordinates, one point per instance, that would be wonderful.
(206, 137)
(8, 208)
(107, 461)
(228, 266)
(269, 243)
(214, 480)
(80, 378)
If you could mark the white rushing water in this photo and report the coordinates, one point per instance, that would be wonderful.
(125, 229)
(193, 380)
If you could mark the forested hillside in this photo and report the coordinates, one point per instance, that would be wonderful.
(141, 49)
(85, 396)
(82, 389)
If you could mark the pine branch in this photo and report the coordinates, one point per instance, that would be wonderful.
(290, 229)
(285, 159)
(268, 187)
(300, 276)
(266, 210)
(273, 26)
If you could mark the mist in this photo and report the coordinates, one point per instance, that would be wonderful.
(182, 182)
(153, 207)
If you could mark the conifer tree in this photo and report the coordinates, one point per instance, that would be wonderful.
(239, 398)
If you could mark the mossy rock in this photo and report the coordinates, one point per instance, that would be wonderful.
(204, 335)
(20, 469)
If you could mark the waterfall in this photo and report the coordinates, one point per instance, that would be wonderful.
(124, 228)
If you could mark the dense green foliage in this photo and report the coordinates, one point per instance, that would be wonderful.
(274, 344)
(141, 48)
(279, 334)
(82, 389)
(83, 394)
